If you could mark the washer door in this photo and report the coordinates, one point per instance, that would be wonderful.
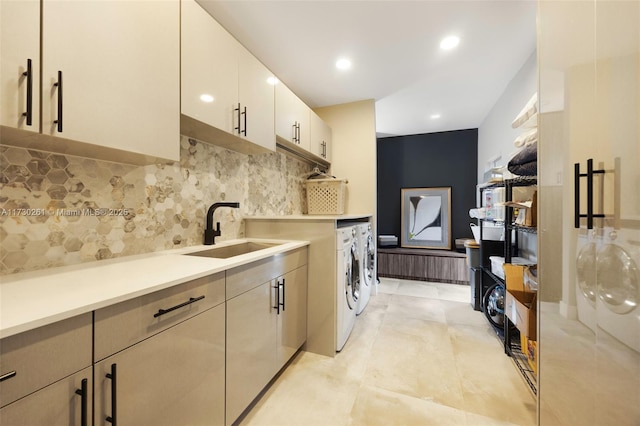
(353, 287)
(369, 262)
(586, 271)
(618, 279)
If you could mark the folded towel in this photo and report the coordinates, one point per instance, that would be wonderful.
(528, 112)
(525, 162)
(526, 138)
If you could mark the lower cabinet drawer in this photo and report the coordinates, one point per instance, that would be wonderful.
(124, 324)
(34, 359)
(63, 403)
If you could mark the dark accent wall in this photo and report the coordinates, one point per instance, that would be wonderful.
(445, 159)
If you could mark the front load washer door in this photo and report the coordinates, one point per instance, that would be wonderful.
(618, 279)
(369, 261)
(586, 271)
(355, 278)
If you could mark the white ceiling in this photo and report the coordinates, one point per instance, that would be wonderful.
(394, 48)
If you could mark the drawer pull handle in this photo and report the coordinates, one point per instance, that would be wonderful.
(114, 394)
(182, 305)
(29, 74)
(7, 376)
(58, 84)
(83, 407)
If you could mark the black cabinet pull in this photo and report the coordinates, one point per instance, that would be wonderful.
(59, 85)
(298, 132)
(324, 149)
(590, 215)
(83, 404)
(244, 132)
(182, 305)
(277, 307)
(238, 111)
(29, 74)
(283, 294)
(295, 132)
(113, 417)
(7, 376)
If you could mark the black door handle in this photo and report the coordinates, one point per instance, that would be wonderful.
(238, 111)
(113, 417)
(277, 307)
(173, 308)
(29, 74)
(590, 215)
(284, 299)
(59, 85)
(244, 132)
(83, 404)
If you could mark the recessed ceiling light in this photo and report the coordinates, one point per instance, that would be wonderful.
(206, 98)
(434, 116)
(273, 81)
(343, 64)
(449, 42)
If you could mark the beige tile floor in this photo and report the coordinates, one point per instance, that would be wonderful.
(418, 355)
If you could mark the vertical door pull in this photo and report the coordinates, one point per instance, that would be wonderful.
(83, 404)
(298, 132)
(59, 85)
(590, 215)
(238, 111)
(113, 418)
(295, 132)
(277, 307)
(244, 132)
(29, 74)
(324, 149)
(283, 294)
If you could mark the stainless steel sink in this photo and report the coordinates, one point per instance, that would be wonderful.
(226, 252)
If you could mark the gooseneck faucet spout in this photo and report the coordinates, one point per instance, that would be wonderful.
(210, 234)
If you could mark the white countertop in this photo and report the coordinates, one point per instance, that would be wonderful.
(33, 299)
(333, 217)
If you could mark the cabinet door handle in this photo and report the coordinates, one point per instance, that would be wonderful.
(59, 85)
(83, 405)
(589, 175)
(29, 74)
(295, 132)
(283, 294)
(298, 132)
(238, 111)
(173, 308)
(8, 375)
(244, 112)
(113, 417)
(277, 307)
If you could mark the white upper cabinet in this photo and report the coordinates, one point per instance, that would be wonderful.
(20, 54)
(320, 137)
(227, 94)
(118, 62)
(292, 117)
(209, 69)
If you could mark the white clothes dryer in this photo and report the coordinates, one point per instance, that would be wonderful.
(618, 285)
(368, 269)
(348, 283)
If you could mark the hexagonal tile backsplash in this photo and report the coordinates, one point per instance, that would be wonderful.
(60, 210)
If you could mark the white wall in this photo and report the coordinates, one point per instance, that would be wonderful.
(495, 135)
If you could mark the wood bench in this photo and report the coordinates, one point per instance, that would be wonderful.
(424, 265)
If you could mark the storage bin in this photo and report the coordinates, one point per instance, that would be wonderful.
(326, 196)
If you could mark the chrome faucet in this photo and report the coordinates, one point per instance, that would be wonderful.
(209, 233)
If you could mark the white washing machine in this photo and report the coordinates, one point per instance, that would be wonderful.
(586, 287)
(618, 285)
(348, 283)
(368, 269)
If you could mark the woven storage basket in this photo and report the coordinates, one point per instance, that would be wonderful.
(326, 196)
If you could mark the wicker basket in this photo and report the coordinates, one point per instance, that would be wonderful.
(326, 196)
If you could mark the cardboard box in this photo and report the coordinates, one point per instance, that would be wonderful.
(532, 354)
(520, 308)
(527, 211)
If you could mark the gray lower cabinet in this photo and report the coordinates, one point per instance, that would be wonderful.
(42, 373)
(175, 377)
(64, 403)
(266, 325)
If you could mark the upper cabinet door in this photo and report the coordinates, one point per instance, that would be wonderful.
(209, 88)
(20, 34)
(320, 137)
(292, 117)
(256, 88)
(119, 66)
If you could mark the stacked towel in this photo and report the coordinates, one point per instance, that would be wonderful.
(525, 160)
